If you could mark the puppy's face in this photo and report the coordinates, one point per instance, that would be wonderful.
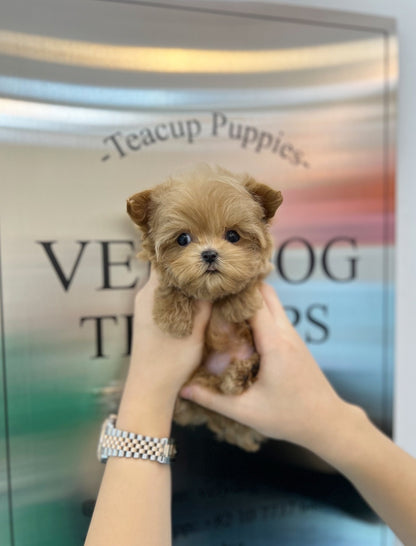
(207, 237)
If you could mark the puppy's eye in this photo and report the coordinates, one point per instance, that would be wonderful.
(184, 239)
(232, 236)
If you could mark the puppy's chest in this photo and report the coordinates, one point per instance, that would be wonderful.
(226, 341)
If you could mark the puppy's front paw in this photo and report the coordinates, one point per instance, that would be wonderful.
(173, 312)
(239, 375)
(175, 327)
(241, 307)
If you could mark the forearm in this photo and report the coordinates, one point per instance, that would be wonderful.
(133, 506)
(134, 501)
(384, 474)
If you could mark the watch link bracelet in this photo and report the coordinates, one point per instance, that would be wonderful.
(120, 443)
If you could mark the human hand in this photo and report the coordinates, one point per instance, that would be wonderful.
(291, 399)
(160, 363)
(159, 360)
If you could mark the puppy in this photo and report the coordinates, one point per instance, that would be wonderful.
(206, 234)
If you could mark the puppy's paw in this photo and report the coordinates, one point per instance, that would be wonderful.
(234, 433)
(188, 413)
(169, 323)
(250, 440)
(173, 312)
(240, 308)
(239, 375)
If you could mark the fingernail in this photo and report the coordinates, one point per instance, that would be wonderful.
(186, 392)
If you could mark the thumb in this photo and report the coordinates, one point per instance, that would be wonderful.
(221, 403)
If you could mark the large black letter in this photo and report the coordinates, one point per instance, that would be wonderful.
(47, 245)
(353, 261)
(129, 332)
(107, 264)
(321, 325)
(98, 332)
(279, 260)
(295, 314)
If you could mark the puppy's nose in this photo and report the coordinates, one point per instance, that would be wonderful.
(209, 256)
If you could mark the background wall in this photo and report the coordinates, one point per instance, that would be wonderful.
(404, 11)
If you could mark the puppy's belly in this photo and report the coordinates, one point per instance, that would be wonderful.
(226, 342)
(217, 362)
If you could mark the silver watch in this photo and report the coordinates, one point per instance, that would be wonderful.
(120, 443)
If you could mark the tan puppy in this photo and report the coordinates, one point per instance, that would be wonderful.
(206, 234)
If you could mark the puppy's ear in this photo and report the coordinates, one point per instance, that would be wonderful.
(268, 198)
(138, 207)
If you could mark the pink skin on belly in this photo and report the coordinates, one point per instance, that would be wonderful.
(217, 362)
(236, 347)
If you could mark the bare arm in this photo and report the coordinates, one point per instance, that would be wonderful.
(134, 501)
(293, 401)
(384, 474)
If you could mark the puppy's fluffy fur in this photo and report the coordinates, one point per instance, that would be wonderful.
(206, 234)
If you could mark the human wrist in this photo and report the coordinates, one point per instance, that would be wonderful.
(145, 409)
(153, 375)
(338, 436)
(145, 421)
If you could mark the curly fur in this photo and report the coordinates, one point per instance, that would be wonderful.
(206, 203)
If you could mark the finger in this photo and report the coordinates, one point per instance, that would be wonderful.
(202, 315)
(273, 303)
(220, 403)
(263, 327)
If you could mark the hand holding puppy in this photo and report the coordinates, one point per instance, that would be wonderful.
(291, 398)
(169, 360)
(159, 365)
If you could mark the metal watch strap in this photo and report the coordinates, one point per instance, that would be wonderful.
(120, 443)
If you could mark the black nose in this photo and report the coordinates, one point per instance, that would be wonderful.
(209, 256)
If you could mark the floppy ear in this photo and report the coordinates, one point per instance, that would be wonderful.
(138, 207)
(268, 198)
